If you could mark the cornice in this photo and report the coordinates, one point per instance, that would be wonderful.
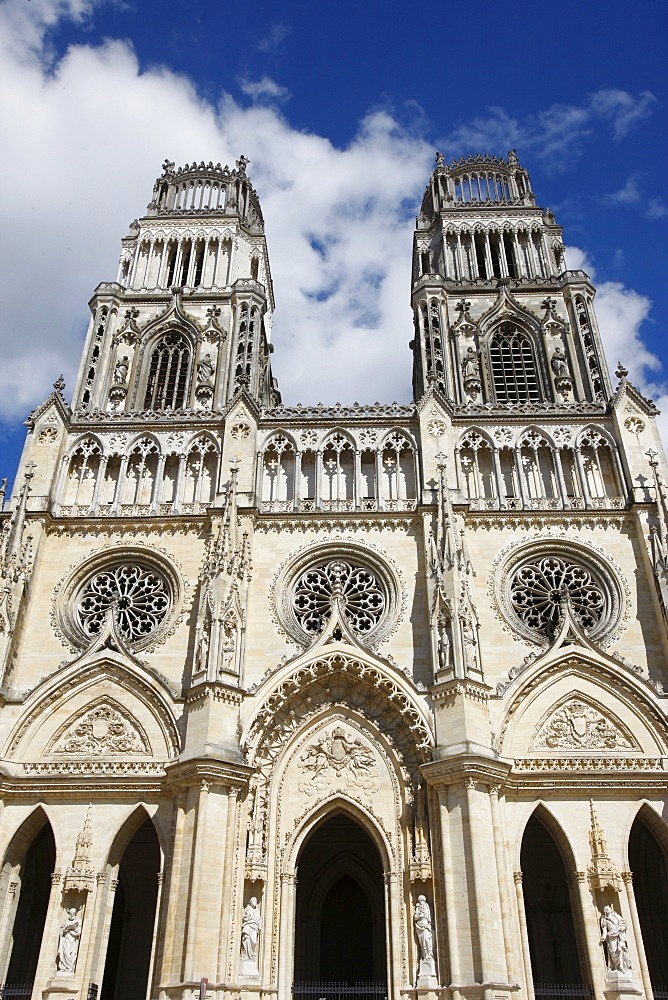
(455, 769)
(184, 774)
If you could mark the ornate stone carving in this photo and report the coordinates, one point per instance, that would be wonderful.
(579, 725)
(601, 873)
(139, 596)
(102, 731)
(306, 585)
(531, 579)
(81, 876)
(314, 590)
(338, 758)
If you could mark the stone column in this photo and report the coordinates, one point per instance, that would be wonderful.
(589, 922)
(524, 935)
(449, 890)
(627, 877)
(174, 879)
(196, 878)
(287, 935)
(501, 875)
(224, 943)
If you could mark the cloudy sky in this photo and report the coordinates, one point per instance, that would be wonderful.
(339, 104)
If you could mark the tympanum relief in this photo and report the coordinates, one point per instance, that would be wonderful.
(338, 759)
(578, 725)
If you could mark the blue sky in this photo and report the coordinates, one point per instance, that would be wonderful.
(340, 107)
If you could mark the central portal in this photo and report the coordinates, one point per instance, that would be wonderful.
(340, 920)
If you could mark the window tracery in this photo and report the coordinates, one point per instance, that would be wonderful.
(168, 374)
(139, 598)
(362, 595)
(539, 589)
(339, 475)
(535, 582)
(539, 473)
(514, 373)
(365, 587)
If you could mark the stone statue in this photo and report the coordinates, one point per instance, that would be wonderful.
(250, 931)
(613, 936)
(422, 921)
(204, 370)
(68, 946)
(121, 370)
(443, 645)
(202, 652)
(471, 364)
(559, 363)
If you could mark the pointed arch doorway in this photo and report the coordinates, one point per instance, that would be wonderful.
(340, 930)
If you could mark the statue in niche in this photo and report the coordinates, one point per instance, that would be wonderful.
(471, 364)
(205, 370)
(202, 651)
(422, 922)
(613, 936)
(559, 363)
(250, 931)
(121, 370)
(444, 645)
(68, 945)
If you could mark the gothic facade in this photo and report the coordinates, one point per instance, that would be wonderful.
(298, 698)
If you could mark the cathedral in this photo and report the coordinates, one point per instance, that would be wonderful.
(332, 702)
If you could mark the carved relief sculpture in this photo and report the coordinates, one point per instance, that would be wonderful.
(102, 731)
(576, 726)
(338, 756)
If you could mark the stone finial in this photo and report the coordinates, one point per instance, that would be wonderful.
(59, 384)
(620, 371)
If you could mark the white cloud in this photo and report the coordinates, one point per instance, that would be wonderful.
(264, 90)
(557, 134)
(276, 34)
(630, 195)
(88, 134)
(620, 312)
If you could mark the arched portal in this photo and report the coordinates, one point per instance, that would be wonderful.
(33, 902)
(340, 919)
(649, 865)
(130, 943)
(549, 914)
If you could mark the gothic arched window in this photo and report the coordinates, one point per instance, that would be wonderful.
(168, 374)
(513, 366)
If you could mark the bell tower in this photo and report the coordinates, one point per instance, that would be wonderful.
(498, 317)
(187, 323)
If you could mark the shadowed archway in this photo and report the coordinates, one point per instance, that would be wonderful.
(649, 864)
(549, 914)
(340, 919)
(130, 944)
(36, 869)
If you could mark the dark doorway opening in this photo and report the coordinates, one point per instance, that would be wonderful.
(549, 915)
(36, 871)
(340, 919)
(130, 945)
(648, 863)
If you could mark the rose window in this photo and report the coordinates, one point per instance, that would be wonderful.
(538, 589)
(139, 595)
(361, 592)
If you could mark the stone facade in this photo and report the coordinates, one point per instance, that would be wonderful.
(271, 674)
